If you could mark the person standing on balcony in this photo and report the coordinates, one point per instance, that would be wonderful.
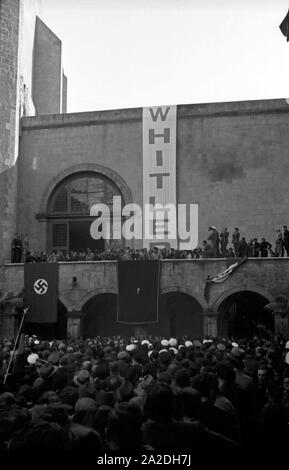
(264, 248)
(224, 237)
(279, 243)
(236, 241)
(214, 241)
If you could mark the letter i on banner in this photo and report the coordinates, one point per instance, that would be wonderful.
(159, 177)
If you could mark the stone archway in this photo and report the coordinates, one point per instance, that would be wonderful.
(80, 168)
(93, 293)
(241, 314)
(67, 203)
(180, 314)
(99, 317)
(227, 293)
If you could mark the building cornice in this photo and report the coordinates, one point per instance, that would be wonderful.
(184, 111)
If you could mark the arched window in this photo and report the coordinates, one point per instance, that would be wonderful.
(69, 211)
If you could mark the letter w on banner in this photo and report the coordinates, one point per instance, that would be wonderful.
(159, 177)
(41, 292)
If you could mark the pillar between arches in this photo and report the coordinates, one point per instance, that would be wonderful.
(210, 323)
(74, 324)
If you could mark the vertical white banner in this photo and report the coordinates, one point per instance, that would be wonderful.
(159, 177)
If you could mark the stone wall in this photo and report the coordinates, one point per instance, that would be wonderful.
(47, 71)
(231, 160)
(17, 46)
(265, 276)
(9, 28)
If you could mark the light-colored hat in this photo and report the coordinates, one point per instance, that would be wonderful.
(287, 345)
(181, 346)
(163, 351)
(32, 358)
(145, 341)
(164, 342)
(173, 342)
(130, 347)
(174, 350)
(188, 344)
(235, 345)
(287, 358)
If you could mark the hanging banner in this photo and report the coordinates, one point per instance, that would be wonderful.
(159, 177)
(138, 291)
(41, 292)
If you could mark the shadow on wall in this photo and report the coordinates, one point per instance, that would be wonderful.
(227, 171)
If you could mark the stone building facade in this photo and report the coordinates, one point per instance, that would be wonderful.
(231, 160)
(31, 83)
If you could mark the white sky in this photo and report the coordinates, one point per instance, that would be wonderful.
(136, 53)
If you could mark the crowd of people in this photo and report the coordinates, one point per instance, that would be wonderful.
(153, 394)
(216, 246)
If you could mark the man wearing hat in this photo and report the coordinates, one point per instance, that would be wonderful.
(245, 382)
(45, 379)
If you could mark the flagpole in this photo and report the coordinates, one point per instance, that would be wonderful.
(15, 344)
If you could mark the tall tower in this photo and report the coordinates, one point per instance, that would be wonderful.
(9, 120)
(31, 83)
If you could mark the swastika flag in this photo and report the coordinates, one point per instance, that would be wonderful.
(41, 292)
(284, 26)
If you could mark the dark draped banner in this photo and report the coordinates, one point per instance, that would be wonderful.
(138, 291)
(284, 26)
(41, 292)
